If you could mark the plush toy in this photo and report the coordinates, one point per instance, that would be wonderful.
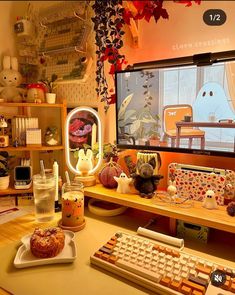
(123, 183)
(210, 201)
(10, 78)
(145, 181)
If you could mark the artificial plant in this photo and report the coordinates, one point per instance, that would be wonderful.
(108, 23)
(109, 18)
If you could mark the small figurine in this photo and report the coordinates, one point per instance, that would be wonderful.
(171, 189)
(210, 201)
(145, 181)
(123, 183)
(84, 164)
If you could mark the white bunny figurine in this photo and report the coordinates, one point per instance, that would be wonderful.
(10, 78)
(84, 164)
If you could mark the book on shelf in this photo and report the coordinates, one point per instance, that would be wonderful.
(20, 126)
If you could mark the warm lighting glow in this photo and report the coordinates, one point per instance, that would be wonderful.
(67, 147)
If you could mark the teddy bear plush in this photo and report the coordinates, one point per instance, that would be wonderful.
(10, 79)
(145, 181)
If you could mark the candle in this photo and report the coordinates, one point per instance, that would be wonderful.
(93, 135)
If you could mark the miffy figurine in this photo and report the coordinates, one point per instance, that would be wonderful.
(84, 164)
(123, 183)
(10, 78)
(210, 201)
(171, 189)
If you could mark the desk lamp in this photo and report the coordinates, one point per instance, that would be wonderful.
(83, 129)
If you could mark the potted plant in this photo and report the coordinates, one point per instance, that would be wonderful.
(50, 85)
(4, 170)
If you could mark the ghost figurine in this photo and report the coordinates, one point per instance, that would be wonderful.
(210, 201)
(123, 183)
(211, 105)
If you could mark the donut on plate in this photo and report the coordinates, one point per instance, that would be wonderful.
(46, 243)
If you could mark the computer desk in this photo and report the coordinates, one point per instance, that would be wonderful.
(80, 277)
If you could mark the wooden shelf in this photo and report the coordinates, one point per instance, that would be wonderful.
(13, 191)
(32, 148)
(218, 219)
(31, 104)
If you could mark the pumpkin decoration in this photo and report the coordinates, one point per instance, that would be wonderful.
(107, 173)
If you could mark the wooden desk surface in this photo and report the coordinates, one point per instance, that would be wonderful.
(217, 219)
(79, 277)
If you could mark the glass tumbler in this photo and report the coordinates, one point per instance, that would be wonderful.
(72, 204)
(44, 189)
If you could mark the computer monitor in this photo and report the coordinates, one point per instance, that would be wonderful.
(185, 104)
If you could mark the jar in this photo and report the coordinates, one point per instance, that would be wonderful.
(73, 205)
(35, 93)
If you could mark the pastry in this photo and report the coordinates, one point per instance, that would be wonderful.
(46, 243)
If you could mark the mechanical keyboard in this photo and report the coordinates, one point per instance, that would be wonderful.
(161, 268)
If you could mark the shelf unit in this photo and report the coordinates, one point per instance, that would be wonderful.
(218, 219)
(23, 109)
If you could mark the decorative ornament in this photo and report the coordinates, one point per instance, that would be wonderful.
(231, 209)
(52, 136)
(146, 177)
(106, 175)
(123, 183)
(210, 201)
(109, 19)
(171, 189)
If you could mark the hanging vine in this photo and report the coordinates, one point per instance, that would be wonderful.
(108, 23)
(109, 18)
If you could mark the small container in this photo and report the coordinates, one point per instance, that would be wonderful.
(72, 206)
(35, 93)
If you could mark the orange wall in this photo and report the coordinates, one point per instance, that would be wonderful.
(183, 34)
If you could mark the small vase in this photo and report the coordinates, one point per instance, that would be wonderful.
(4, 182)
(50, 97)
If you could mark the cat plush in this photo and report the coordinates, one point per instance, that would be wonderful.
(145, 181)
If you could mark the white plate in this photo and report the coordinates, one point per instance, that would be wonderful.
(24, 257)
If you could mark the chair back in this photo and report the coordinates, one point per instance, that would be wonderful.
(175, 113)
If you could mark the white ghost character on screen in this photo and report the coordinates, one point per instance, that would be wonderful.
(210, 201)
(211, 105)
(123, 183)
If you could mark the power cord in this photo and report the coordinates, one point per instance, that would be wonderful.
(152, 221)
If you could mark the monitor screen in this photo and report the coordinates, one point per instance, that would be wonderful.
(188, 107)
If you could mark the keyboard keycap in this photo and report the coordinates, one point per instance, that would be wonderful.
(143, 260)
(137, 270)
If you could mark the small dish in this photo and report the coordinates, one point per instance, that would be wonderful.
(24, 257)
